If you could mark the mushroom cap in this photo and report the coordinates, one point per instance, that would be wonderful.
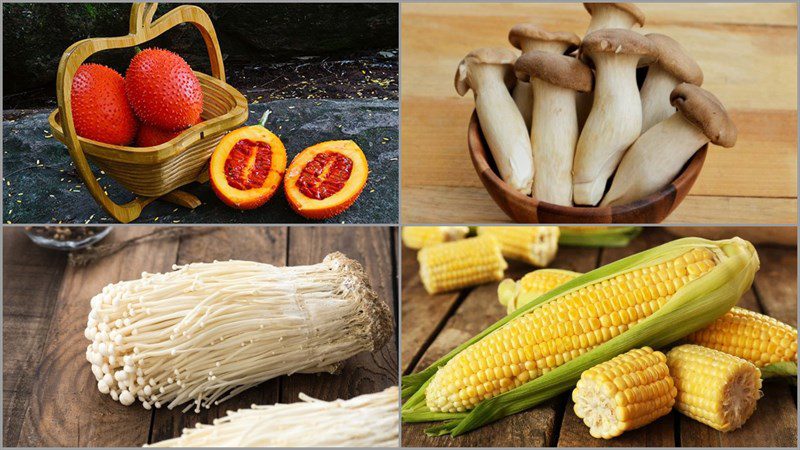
(618, 41)
(560, 70)
(673, 59)
(522, 31)
(486, 55)
(706, 112)
(629, 8)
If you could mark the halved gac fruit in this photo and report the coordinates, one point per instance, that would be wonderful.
(247, 166)
(325, 179)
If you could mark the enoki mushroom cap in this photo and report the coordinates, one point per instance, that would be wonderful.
(706, 112)
(624, 8)
(673, 59)
(620, 42)
(523, 31)
(560, 70)
(481, 56)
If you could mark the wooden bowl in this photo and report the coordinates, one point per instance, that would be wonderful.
(651, 209)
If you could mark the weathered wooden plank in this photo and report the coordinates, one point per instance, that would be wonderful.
(262, 244)
(480, 309)
(423, 314)
(776, 282)
(367, 372)
(66, 409)
(30, 287)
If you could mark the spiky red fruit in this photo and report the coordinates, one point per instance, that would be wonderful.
(100, 109)
(163, 90)
(150, 136)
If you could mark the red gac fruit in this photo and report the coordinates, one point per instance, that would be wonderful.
(163, 90)
(150, 136)
(100, 109)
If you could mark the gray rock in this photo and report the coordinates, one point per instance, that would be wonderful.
(41, 185)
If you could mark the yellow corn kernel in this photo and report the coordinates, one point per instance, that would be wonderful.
(531, 286)
(715, 388)
(533, 245)
(561, 329)
(758, 338)
(624, 393)
(418, 237)
(459, 264)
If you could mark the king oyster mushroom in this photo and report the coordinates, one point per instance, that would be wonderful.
(613, 15)
(489, 72)
(615, 120)
(528, 37)
(656, 158)
(674, 66)
(554, 79)
(606, 15)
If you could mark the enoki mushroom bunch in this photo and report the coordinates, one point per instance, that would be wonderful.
(208, 331)
(568, 115)
(370, 420)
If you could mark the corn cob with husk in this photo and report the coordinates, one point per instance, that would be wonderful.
(369, 420)
(764, 341)
(534, 245)
(715, 388)
(531, 286)
(627, 392)
(597, 236)
(418, 237)
(651, 299)
(459, 264)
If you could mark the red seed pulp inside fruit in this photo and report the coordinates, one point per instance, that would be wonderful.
(325, 175)
(248, 164)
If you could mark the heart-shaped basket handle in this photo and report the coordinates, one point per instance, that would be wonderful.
(142, 29)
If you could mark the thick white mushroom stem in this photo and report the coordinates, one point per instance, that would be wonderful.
(655, 159)
(522, 97)
(614, 123)
(655, 96)
(503, 126)
(609, 16)
(554, 132)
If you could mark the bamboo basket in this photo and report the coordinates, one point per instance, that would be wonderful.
(150, 172)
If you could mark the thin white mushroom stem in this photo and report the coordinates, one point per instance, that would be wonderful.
(614, 123)
(207, 331)
(658, 84)
(522, 98)
(370, 420)
(554, 133)
(503, 126)
(655, 159)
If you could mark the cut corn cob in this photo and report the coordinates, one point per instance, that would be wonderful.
(553, 334)
(624, 393)
(365, 421)
(531, 286)
(533, 245)
(652, 298)
(459, 264)
(418, 237)
(597, 236)
(207, 331)
(715, 388)
(755, 337)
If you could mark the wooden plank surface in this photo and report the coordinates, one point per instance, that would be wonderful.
(554, 423)
(742, 48)
(59, 404)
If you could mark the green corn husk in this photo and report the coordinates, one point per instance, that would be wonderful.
(598, 237)
(780, 370)
(694, 306)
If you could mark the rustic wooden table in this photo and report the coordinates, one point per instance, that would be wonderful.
(748, 53)
(50, 397)
(433, 325)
